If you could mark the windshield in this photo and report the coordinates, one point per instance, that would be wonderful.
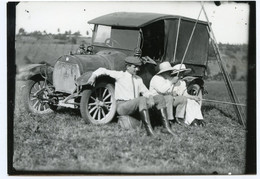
(116, 37)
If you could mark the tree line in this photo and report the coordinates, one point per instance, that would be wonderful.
(67, 36)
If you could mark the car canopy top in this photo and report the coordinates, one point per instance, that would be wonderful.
(177, 32)
(134, 19)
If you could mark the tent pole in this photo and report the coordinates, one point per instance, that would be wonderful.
(193, 30)
(177, 37)
(223, 69)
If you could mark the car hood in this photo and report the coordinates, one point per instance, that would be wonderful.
(112, 60)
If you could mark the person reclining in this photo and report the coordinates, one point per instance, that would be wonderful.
(128, 87)
(168, 82)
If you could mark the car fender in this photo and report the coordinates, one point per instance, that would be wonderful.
(30, 71)
(83, 79)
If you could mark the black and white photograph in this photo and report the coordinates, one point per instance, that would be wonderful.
(136, 88)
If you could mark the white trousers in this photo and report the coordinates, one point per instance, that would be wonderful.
(193, 111)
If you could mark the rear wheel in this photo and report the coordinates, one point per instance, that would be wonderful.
(35, 97)
(98, 105)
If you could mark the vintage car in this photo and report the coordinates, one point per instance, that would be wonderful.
(153, 37)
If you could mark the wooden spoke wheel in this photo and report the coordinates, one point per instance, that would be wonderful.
(35, 97)
(98, 105)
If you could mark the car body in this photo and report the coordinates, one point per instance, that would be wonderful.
(152, 37)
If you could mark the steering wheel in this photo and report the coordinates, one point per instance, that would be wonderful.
(111, 42)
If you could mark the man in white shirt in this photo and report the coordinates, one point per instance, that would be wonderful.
(128, 87)
(167, 82)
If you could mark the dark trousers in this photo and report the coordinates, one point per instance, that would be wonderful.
(138, 104)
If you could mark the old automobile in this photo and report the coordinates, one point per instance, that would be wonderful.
(153, 37)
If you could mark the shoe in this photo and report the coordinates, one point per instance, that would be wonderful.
(171, 122)
(198, 122)
(177, 121)
(147, 123)
(165, 121)
(201, 123)
(194, 122)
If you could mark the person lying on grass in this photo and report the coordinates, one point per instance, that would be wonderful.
(168, 81)
(128, 87)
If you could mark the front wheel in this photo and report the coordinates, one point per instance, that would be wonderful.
(98, 105)
(35, 97)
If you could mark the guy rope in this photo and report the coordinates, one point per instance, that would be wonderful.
(227, 80)
(233, 97)
(223, 102)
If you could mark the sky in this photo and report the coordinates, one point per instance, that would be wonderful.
(229, 20)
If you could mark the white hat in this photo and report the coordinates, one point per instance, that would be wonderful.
(180, 68)
(165, 66)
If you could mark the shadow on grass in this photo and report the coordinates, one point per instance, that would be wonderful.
(225, 111)
(70, 111)
(75, 113)
(209, 107)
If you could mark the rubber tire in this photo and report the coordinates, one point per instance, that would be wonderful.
(85, 100)
(26, 99)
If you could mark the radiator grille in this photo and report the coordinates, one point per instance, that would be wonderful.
(64, 76)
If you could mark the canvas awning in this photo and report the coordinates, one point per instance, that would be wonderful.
(134, 19)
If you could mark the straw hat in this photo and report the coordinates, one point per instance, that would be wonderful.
(180, 68)
(165, 66)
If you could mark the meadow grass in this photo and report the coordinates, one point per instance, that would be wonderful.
(61, 141)
(41, 52)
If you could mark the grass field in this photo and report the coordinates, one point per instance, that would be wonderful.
(47, 52)
(61, 141)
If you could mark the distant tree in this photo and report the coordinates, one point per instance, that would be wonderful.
(62, 36)
(244, 47)
(244, 57)
(74, 40)
(211, 52)
(207, 74)
(242, 78)
(77, 34)
(220, 45)
(233, 72)
(58, 30)
(218, 76)
(21, 31)
(232, 48)
(36, 34)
